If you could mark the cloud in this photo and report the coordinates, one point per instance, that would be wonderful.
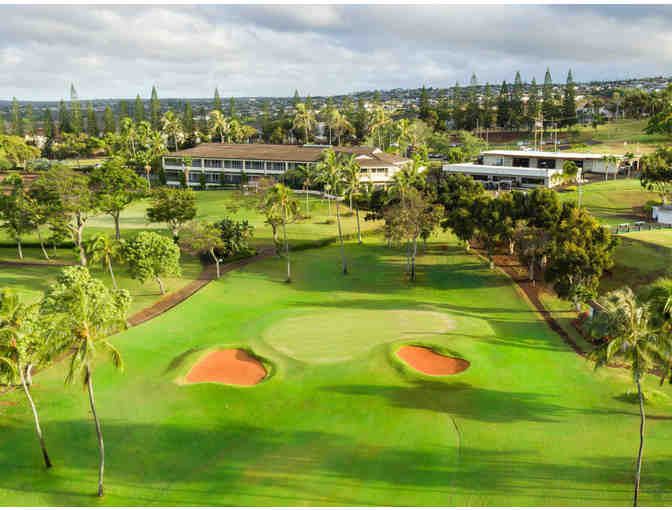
(327, 49)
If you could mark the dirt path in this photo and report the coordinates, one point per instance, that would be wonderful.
(32, 264)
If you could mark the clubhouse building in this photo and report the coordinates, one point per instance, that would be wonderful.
(525, 169)
(225, 164)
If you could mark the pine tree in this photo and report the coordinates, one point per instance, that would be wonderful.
(533, 101)
(473, 113)
(48, 124)
(29, 122)
(569, 102)
(233, 112)
(139, 110)
(76, 118)
(517, 109)
(487, 106)
(17, 118)
(547, 106)
(203, 120)
(91, 121)
(347, 106)
(123, 110)
(309, 103)
(457, 95)
(297, 98)
(110, 126)
(458, 114)
(503, 106)
(155, 110)
(218, 102)
(64, 124)
(361, 121)
(424, 104)
(2, 125)
(188, 120)
(376, 97)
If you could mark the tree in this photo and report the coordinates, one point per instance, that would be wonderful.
(109, 122)
(569, 102)
(105, 250)
(625, 323)
(203, 237)
(76, 118)
(458, 193)
(64, 122)
(219, 125)
(172, 206)
(155, 110)
(218, 102)
(531, 243)
(280, 202)
(91, 122)
(306, 174)
(330, 173)
(87, 312)
(656, 172)
(172, 127)
(15, 150)
(304, 120)
(72, 199)
(15, 210)
(533, 103)
(547, 104)
(17, 119)
(659, 298)
(152, 256)
(351, 175)
(580, 250)
(188, 120)
(116, 187)
(22, 347)
(503, 106)
(487, 106)
(139, 112)
(517, 106)
(490, 224)
(29, 122)
(233, 111)
(609, 160)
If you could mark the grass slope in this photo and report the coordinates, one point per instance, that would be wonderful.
(529, 423)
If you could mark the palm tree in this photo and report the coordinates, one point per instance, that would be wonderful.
(186, 168)
(105, 250)
(304, 119)
(171, 126)
(342, 127)
(351, 174)
(218, 124)
(306, 174)
(625, 322)
(570, 172)
(378, 122)
(156, 148)
(330, 171)
(86, 312)
(281, 199)
(659, 297)
(21, 347)
(128, 132)
(610, 159)
(403, 135)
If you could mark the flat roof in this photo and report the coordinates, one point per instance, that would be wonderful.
(366, 156)
(542, 154)
(496, 169)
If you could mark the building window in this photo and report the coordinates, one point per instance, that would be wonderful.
(172, 176)
(277, 166)
(196, 163)
(233, 163)
(499, 162)
(363, 171)
(173, 162)
(578, 162)
(254, 165)
(291, 165)
(546, 163)
(194, 176)
(532, 180)
(213, 163)
(521, 162)
(212, 177)
(478, 177)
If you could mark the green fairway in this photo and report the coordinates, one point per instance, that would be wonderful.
(614, 201)
(529, 423)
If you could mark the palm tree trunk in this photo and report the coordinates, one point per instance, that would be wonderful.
(641, 440)
(80, 245)
(99, 432)
(531, 271)
(284, 234)
(44, 251)
(18, 244)
(117, 231)
(47, 461)
(415, 249)
(340, 236)
(109, 267)
(359, 232)
(214, 257)
(149, 184)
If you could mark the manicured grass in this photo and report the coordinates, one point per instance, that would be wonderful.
(529, 423)
(613, 135)
(613, 201)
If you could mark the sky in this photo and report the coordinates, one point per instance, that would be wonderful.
(271, 50)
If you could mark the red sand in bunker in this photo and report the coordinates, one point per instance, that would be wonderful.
(230, 366)
(428, 362)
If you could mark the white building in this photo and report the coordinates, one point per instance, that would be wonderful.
(225, 163)
(527, 169)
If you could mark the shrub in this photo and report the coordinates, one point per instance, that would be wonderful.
(570, 188)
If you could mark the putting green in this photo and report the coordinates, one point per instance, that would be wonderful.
(335, 335)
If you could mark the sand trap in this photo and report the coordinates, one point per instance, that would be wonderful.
(429, 362)
(230, 366)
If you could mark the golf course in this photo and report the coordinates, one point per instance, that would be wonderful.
(339, 418)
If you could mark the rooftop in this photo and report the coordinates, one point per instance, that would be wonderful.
(366, 156)
(542, 154)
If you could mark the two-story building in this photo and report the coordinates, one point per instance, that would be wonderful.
(527, 169)
(225, 164)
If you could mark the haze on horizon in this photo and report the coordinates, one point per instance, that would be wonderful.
(270, 50)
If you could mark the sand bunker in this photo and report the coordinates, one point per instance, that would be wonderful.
(429, 362)
(230, 366)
